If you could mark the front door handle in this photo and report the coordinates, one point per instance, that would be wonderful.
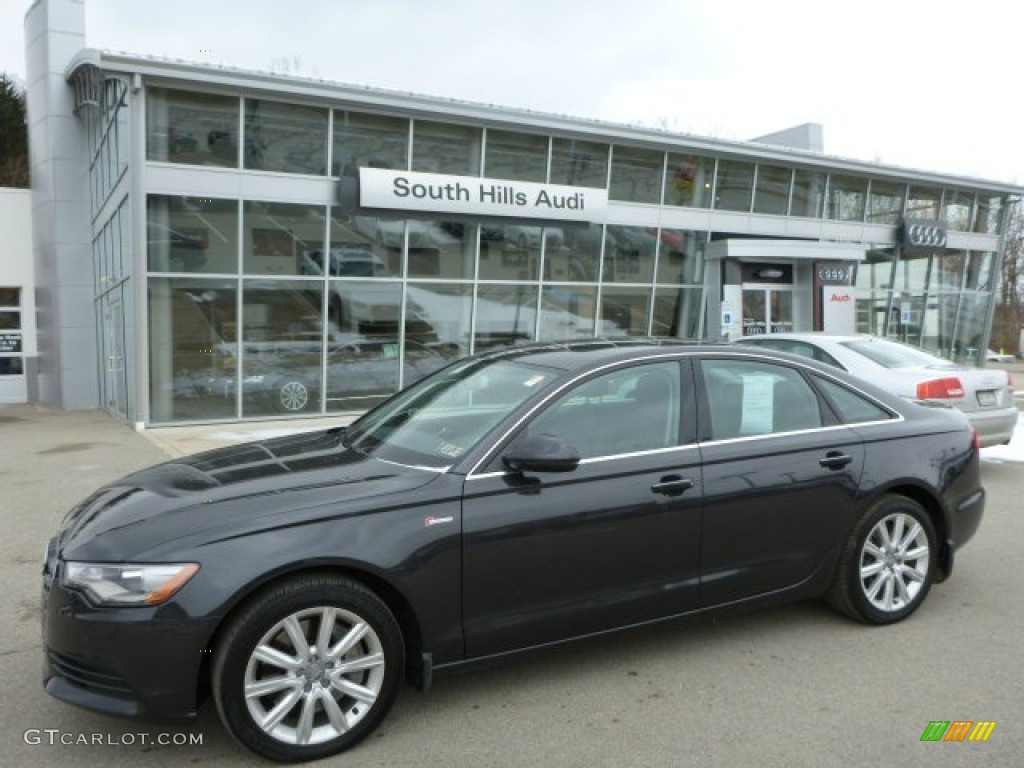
(835, 460)
(673, 485)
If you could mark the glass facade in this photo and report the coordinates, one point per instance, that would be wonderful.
(274, 303)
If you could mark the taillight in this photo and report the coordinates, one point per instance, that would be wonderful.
(1009, 382)
(940, 389)
(977, 439)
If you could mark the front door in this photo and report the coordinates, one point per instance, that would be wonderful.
(767, 309)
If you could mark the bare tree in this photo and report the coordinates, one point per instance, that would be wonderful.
(1009, 314)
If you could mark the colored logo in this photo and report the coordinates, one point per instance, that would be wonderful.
(958, 730)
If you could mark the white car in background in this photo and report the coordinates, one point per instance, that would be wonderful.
(984, 395)
(991, 356)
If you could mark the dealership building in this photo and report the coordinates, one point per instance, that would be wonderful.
(213, 244)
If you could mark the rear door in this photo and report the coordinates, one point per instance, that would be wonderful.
(780, 478)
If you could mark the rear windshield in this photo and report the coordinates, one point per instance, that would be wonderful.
(891, 354)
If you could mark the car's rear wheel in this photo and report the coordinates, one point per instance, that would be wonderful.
(308, 669)
(886, 568)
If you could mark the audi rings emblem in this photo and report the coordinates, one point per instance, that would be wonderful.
(926, 235)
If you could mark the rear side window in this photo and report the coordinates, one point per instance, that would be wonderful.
(852, 408)
(748, 398)
(796, 347)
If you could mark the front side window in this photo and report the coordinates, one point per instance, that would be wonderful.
(747, 398)
(626, 411)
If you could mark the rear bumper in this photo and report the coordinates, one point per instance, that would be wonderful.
(994, 427)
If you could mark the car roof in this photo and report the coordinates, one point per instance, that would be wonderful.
(578, 354)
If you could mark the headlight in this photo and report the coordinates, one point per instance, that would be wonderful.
(128, 584)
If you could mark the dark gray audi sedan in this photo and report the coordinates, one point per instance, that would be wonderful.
(511, 500)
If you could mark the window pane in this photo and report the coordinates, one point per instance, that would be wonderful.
(193, 348)
(970, 326)
(369, 141)
(193, 128)
(677, 312)
(288, 138)
(990, 213)
(979, 271)
(516, 156)
(192, 234)
(505, 314)
(579, 163)
(282, 238)
(11, 366)
(443, 148)
(689, 180)
(572, 254)
(681, 256)
(360, 307)
(958, 204)
(948, 270)
(636, 175)
(748, 398)
(772, 194)
(808, 194)
(885, 203)
(567, 312)
(10, 297)
(624, 311)
(362, 246)
(10, 321)
(626, 411)
(846, 196)
(282, 339)
(511, 251)
(437, 316)
(629, 254)
(441, 248)
(923, 203)
(734, 185)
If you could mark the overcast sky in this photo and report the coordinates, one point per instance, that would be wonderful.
(927, 84)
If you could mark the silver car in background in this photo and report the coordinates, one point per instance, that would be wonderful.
(985, 395)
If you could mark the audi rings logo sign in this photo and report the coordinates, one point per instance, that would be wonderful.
(924, 234)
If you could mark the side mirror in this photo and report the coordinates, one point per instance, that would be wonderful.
(542, 453)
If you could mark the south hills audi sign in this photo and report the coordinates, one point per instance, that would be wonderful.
(438, 193)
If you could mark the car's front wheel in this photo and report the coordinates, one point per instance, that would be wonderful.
(308, 669)
(886, 568)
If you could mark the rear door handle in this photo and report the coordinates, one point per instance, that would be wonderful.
(835, 460)
(673, 485)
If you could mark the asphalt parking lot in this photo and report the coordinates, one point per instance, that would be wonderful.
(796, 686)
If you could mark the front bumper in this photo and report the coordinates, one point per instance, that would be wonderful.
(136, 662)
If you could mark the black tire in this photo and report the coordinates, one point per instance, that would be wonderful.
(302, 678)
(879, 580)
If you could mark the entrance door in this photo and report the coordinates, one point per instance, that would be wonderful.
(767, 309)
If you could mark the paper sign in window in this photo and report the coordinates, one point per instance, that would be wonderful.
(758, 404)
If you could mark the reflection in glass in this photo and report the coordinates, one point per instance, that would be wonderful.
(979, 271)
(734, 185)
(772, 193)
(364, 308)
(282, 238)
(947, 270)
(885, 202)
(579, 163)
(911, 274)
(990, 214)
(282, 339)
(846, 196)
(369, 141)
(505, 314)
(193, 128)
(689, 180)
(937, 322)
(362, 372)
(438, 317)
(288, 138)
(572, 254)
(512, 251)
(624, 311)
(677, 312)
(516, 156)
(636, 175)
(444, 148)
(441, 249)
(970, 326)
(363, 246)
(567, 312)
(629, 254)
(923, 203)
(808, 194)
(957, 205)
(191, 234)
(11, 365)
(193, 348)
(681, 256)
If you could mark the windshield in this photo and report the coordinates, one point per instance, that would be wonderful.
(439, 419)
(890, 354)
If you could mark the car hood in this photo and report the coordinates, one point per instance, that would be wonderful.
(231, 491)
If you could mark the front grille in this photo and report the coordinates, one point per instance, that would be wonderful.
(92, 677)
